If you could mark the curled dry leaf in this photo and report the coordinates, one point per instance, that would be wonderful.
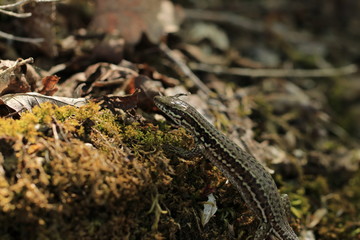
(132, 18)
(148, 90)
(17, 76)
(104, 75)
(26, 101)
(49, 85)
(119, 102)
(98, 80)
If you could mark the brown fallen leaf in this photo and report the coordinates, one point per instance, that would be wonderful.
(104, 75)
(119, 102)
(17, 76)
(132, 18)
(49, 85)
(148, 90)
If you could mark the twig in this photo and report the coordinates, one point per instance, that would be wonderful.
(11, 5)
(14, 14)
(227, 17)
(20, 15)
(246, 23)
(17, 63)
(326, 72)
(20, 39)
(184, 68)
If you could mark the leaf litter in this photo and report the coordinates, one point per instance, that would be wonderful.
(83, 152)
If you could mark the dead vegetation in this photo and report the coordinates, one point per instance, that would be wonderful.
(83, 152)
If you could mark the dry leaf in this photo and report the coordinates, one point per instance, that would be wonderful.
(49, 85)
(210, 209)
(26, 101)
(148, 90)
(17, 76)
(132, 18)
(104, 75)
(119, 102)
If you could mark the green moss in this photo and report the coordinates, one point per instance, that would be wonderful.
(55, 178)
(17, 128)
(139, 137)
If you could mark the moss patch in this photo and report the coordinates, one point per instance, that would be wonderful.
(71, 173)
(85, 173)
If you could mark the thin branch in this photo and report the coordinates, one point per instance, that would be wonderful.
(20, 15)
(11, 5)
(227, 17)
(14, 14)
(326, 72)
(246, 23)
(20, 39)
(17, 63)
(184, 68)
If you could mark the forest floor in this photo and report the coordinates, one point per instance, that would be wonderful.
(83, 149)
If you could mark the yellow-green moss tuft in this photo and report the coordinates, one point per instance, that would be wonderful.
(81, 173)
